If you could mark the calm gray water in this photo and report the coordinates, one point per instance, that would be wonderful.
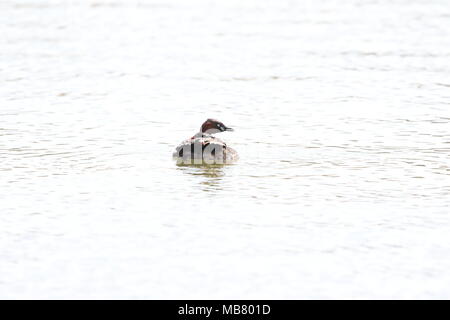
(341, 112)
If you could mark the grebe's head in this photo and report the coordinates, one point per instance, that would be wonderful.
(211, 126)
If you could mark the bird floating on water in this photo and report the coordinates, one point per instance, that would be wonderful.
(204, 148)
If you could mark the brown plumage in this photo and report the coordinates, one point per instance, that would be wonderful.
(203, 148)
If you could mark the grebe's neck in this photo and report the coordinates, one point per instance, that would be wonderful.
(201, 135)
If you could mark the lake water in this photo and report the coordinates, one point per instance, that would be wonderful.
(341, 112)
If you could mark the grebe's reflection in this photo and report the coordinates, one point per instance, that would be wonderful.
(210, 176)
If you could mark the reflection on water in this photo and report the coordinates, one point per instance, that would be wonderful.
(341, 119)
(213, 175)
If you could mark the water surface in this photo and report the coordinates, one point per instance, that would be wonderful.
(341, 114)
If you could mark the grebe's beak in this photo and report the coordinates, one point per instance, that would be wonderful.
(229, 129)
